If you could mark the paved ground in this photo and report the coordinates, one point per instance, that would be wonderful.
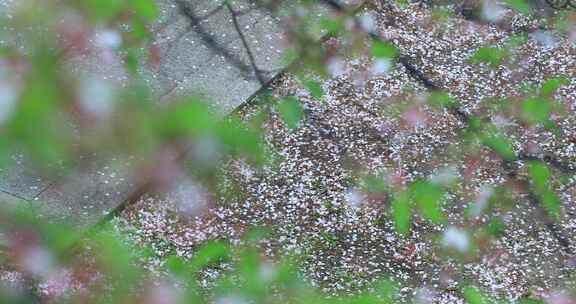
(316, 202)
(187, 65)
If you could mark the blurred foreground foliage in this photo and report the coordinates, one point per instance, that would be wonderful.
(51, 121)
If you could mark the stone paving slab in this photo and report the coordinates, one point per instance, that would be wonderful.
(187, 66)
(190, 65)
(85, 196)
(20, 179)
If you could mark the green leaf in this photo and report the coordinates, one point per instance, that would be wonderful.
(146, 9)
(428, 197)
(551, 85)
(496, 227)
(386, 290)
(36, 124)
(473, 296)
(187, 117)
(516, 41)
(209, 254)
(331, 25)
(290, 111)
(248, 267)
(562, 23)
(139, 31)
(116, 256)
(499, 144)
(240, 138)
(381, 49)
(519, 5)
(176, 265)
(402, 212)
(441, 100)
(373, 184)
(102, 10)
(490, 55)
(314, 88)
(540, 174)
(536, 110)
(289, 55)
(550, 202)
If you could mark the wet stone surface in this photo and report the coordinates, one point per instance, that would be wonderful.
(20, 179)
(188, 65)
(314, 202)
(189, 62)
(85, 196)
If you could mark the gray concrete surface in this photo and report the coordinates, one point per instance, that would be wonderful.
(19, 178)
(84, 196)
(188, 65)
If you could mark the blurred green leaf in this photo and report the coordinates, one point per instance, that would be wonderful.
(289, 55)
(381, 49)
(475, 124)
(402, 212)
(540, 174)
(116, 258)
(386, 290)
(490, 55)
(240, 138)
(132, 59)
(562, 22)
(520, 6)
(187, 117)
(525, 300)
(102, 10)
(441, 100)
(550, 202)
(496, 227)
(249, 268)
(37, 124)
(428, 197)
(374, 184)
(516, 41)
(176, 265)
(145, 9)
(314, 88)
(290, 111)
(332, 26)
(139, 32)
(209, 254)
(473, 296)
(551, 85)
(536, 110)
(256, 234)
(499, 144)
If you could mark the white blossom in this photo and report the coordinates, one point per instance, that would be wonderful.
(381, 66)
(97, 96)
(456, 238)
